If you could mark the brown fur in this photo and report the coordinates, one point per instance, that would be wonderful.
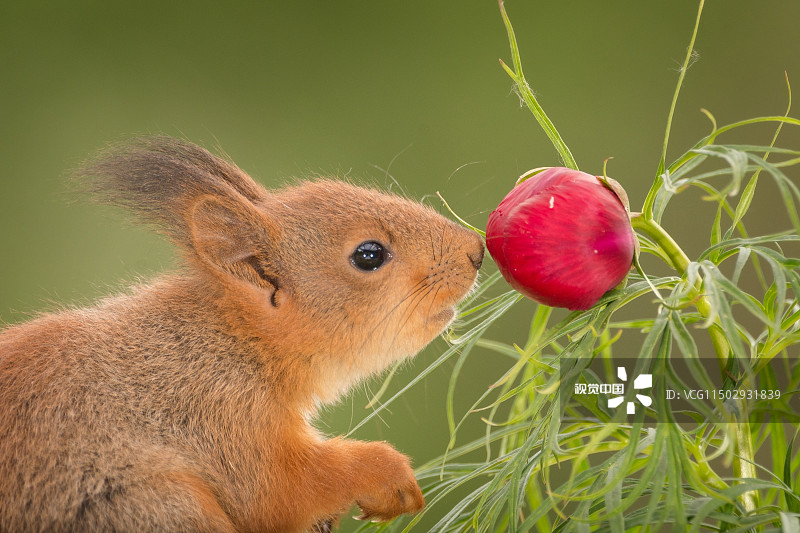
(184, 405)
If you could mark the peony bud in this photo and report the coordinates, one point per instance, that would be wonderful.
(562, 237)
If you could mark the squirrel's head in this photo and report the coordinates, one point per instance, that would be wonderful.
(334, 279)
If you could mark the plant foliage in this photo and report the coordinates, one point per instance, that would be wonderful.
(566, 463)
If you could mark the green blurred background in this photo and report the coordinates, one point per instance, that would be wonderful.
(293, 89)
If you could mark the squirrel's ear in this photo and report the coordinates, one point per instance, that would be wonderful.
(234, 239)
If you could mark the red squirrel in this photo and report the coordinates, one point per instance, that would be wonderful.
(185, 404)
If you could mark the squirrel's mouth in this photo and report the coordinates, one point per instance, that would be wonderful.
(443, 317)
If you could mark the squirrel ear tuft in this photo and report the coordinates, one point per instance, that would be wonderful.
(233, 239)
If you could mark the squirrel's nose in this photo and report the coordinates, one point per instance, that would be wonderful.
(476, 258)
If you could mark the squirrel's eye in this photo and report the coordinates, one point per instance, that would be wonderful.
(369, 255)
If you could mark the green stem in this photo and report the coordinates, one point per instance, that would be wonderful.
(743, 464)
(530, 100)
(678, 258)
(648, 204)
(680, 262)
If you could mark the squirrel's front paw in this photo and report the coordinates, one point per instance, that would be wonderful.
(394, 488)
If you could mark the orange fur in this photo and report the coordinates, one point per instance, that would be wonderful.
(185, 404)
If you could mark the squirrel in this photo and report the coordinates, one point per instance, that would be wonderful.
(186, 403)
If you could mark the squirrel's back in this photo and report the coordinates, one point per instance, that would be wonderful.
(144, 381)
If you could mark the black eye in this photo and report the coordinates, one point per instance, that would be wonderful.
(369, 255)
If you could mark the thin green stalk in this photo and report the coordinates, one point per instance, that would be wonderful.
(530, 100)
(648, 205)
(678, 258)
(680, 262)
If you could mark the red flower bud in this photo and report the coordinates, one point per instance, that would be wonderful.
(562, 237)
